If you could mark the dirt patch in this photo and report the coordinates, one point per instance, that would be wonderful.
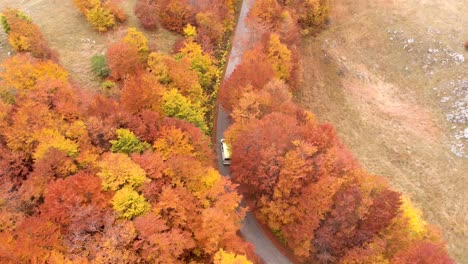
(391, 77)
(374, 95)
(68, 32)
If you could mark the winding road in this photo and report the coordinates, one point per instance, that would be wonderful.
(250, 230)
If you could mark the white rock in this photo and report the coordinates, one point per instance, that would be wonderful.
(457, 57)
(444, 99)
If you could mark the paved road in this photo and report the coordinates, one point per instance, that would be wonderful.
(251, 231)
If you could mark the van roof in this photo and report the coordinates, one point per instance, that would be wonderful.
(226, 150)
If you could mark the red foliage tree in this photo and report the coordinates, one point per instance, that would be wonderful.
(35, 240)
(79, 206)
(105, 116)
(258, 151)
(25, 36)
(198, 140)
(159, 243)
(176, 14)
(333, 158)
(146, 125)
(210, 30)
(266, 13)
(154, 167)
(123, 59)
(77, 203)
(142, 92)
(383, 210)
(14, 166)
(334, 236)
(423, 253)
(254, 72)
(145, 11)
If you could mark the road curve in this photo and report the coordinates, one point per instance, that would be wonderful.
(251, 231)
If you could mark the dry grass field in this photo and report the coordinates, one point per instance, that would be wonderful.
(392, 77)
(68, 32)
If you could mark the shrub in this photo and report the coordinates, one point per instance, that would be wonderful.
(4, 23)
(24, 35)
(311, 15)
(109, 88)
(116, 11)
(85, 5)
(100, 18)
(175, 14)
(145, 11)
(102, 15)
(138, 40)
(190, 31)
(99, 66)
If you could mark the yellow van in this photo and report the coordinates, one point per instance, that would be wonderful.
(225, 153)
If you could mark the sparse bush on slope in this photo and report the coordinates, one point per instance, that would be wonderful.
(101, 15)
(24, 35)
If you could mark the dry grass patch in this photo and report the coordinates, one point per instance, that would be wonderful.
(380, 96)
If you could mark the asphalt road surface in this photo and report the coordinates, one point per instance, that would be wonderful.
(251, 231)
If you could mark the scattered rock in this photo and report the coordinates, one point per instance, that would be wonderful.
(457, 57)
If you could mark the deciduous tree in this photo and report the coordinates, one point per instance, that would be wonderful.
(141, 92)
(129, 203)
(145, 11)
(123, 59)
(259, 167)
(173, 141)
(176, 105)
(423, 252)
(202, 63)
(138, 40)
(253, 72)
(128, 143)
(223, 257)
(175, 14)
(24, 35)
(118, 170)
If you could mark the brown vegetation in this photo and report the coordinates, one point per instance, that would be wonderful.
(24, 35)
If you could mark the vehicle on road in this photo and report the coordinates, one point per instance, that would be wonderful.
(225, 153)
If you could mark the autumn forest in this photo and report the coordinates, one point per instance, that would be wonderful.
(127, 173)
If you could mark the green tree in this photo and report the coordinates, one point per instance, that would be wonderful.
(128, 142)
(177, 105)
(99, 66)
